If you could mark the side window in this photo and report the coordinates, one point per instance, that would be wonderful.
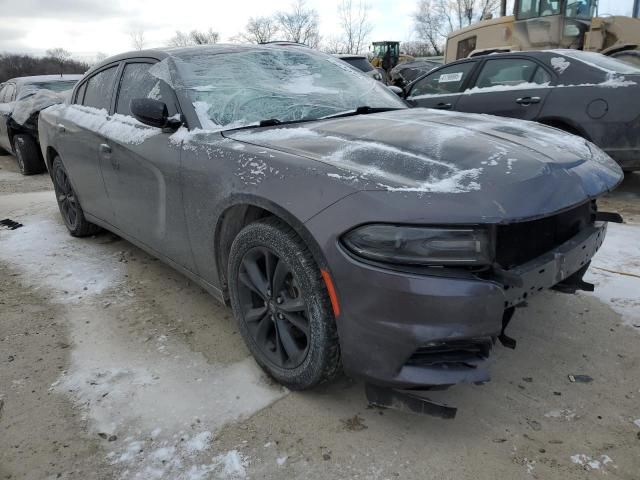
(465, 47)
(528, 9)
(446, 80)
(8, 93)
(100, 88)
(80, 93)
(137, 82)
(507, 72)
(541, 76)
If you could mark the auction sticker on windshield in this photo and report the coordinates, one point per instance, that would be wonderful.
(450, 77)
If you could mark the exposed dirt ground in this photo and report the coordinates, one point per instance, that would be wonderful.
(113, 365)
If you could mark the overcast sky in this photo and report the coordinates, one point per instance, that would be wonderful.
(86, 27)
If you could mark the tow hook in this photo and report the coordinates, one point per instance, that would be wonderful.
(408, 401)
(575, 282)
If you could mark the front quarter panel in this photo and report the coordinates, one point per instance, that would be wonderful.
(219, 173)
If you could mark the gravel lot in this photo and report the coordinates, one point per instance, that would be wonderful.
(113, 365)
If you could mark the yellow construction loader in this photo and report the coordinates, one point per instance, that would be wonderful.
(545, 24)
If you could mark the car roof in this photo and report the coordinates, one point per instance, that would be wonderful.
(348, 55)
(215, 49)
(44, 78)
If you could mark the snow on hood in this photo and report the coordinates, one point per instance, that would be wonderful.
(429, 151)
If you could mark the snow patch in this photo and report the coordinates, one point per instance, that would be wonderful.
(591, 463)
(121, 128)
(163, 406)
(275, 134)
(615, 270)
(560, 64)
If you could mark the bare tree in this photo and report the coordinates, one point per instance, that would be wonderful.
(333, 44)
(354, 21)
(428, 23)
(435, 19)
(300, 24)
(60, 56)
(194, 37)
(204, 38)
(259, 30)
(137, 39)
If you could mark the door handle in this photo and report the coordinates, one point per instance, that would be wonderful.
(444, 106)
(528, 100)
(61, 128)
(104, 148)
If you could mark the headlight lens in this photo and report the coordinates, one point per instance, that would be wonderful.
(420, 245)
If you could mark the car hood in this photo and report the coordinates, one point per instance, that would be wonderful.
(429, 152)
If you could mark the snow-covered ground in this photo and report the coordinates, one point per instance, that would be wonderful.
(162, 401)
(616, 272)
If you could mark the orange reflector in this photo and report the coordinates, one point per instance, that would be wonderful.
(332, 292)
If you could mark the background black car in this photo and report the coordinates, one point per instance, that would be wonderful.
(584, 93)
(404, 73)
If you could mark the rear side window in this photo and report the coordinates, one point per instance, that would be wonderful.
(137, 82)
(510, 72)
(7, 93)
(360, 63)
(446, 80)
(100, 88)
(465, 47)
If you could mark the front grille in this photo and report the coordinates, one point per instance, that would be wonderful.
(444, 354)
(517, 243)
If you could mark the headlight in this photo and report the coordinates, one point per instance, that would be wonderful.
(420, 245)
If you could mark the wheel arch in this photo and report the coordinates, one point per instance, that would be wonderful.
(241, 210)
(50, 154)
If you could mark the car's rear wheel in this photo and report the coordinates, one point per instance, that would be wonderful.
(282, 307)
(68, 203)
(28, 155)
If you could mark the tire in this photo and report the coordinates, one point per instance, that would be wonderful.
(28, 155)
(68, 203)
(298, 310)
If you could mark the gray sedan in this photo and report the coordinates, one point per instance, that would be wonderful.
(345, 230)
(583, 93)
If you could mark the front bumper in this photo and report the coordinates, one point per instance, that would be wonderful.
(407, 330)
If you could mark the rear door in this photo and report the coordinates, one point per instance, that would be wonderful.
(7, 94)
(508, 87)
(441, 89)
(78, 134)
(141, 167)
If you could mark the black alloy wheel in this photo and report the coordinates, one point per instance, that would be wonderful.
(273, 308)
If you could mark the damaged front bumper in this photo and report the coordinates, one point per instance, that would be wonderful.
(414, 331)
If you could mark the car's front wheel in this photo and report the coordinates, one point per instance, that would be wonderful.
(281, 304)
(68, 203)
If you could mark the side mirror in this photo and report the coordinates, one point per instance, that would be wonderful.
(397, 90)
(153, 113)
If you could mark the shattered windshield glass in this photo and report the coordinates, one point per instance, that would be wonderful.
(248, 86)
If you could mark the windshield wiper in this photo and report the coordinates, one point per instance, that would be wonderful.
(364, 110)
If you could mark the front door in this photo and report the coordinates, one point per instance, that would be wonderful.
(508, 87)
(442, 88)
(141, 168)
(79, 135)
